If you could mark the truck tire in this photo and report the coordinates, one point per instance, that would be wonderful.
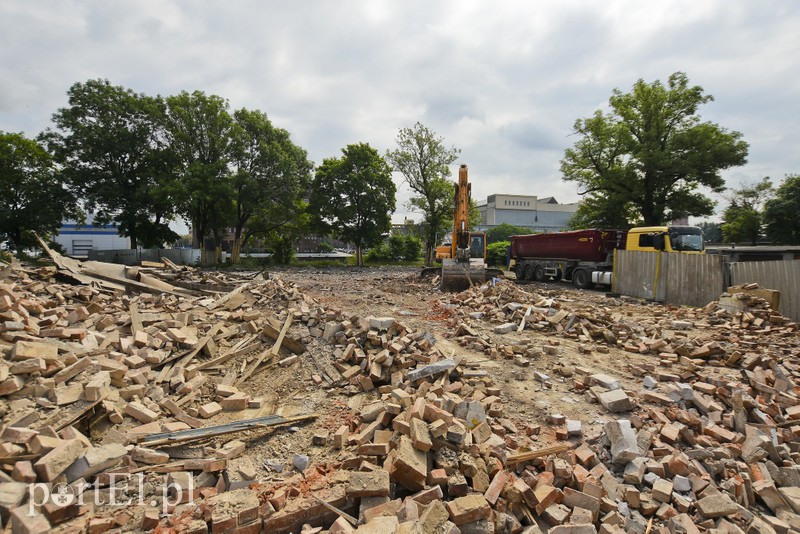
(538, 273)
(582, 279)
(528, 275)
(519, 270)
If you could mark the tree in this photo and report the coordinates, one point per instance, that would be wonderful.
(599, 211)
(270, 175)
(112, 149)
(504, 231)
(34, 198)
(423, 160)
(200, 133)
(780, 213)
(353, 197)
(652, 153)
(742, 220)
(712, 231)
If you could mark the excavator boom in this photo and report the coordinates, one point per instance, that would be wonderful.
(460, 271)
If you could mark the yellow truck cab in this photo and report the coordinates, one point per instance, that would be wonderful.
(686, 239)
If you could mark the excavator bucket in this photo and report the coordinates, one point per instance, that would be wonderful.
(461, 275)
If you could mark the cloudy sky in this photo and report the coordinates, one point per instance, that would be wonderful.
(502, 81)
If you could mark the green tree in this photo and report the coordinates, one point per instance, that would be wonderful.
(780, 212)
(423, 160)
(712, 231)
(496, 252)
(651, 153)
(111, 147)
(270, 175)
(200, 134)
(599, 211)
(353, 197)
(504, 231)
(742, 220)
(34, 198)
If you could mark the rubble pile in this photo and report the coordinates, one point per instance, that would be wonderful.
(97, 383)
(123, 369)
(598, 327)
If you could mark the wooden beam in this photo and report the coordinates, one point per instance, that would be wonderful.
(180, 436)
(539, 453)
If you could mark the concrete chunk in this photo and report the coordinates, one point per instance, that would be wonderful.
(624, 447)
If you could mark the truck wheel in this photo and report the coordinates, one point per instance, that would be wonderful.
(538, 273)
(528, 274)
(519, 270)
(580, 278)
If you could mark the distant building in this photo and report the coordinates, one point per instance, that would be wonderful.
(78, 239)
(529, 211)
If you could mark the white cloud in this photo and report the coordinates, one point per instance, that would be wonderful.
(502, 81)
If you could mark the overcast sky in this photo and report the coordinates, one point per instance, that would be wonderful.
(502, 81)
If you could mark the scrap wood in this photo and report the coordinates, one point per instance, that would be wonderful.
(294, 345)
(227, 296)
(539, 453)
(240, 348)
(274, 351)
(164, 438)
(202, 343)
(347, 517)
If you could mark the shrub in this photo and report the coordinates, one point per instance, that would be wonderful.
(396, 248)
(496, 253)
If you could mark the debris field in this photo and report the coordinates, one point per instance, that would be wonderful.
(170, 399)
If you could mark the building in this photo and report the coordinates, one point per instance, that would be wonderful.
(529, 211)
(78, 239)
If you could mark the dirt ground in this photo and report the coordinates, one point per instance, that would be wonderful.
(399, 293)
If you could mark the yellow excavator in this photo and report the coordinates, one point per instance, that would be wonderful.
(464, 260)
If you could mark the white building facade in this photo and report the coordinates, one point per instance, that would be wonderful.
(529, 211)
(78, 239)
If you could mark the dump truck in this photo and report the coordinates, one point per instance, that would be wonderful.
(586, 257)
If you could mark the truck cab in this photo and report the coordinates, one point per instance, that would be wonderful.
(685, 239)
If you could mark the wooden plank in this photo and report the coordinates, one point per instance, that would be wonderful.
(237, 350)
(165, 438)
(294, 345)
(272, 352)
(539, 453)
(136, 320)
(202, 343)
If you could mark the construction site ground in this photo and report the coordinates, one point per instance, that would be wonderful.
(565, 410)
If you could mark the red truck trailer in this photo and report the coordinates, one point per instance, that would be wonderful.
(586, 257)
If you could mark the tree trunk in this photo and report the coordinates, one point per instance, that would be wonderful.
(359, 256)
(235, 250)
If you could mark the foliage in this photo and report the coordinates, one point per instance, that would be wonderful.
(34, 199)
(283, 250)
(270, 174)
(781, 212)
(599, 211)
(650, 155)
(741, 220)
(111, 146)
(200, 134)
(496, 253)
(324, 247)
(423, 160)
(353, 197)
(397, 248)
(505, 231)
(712, 231)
